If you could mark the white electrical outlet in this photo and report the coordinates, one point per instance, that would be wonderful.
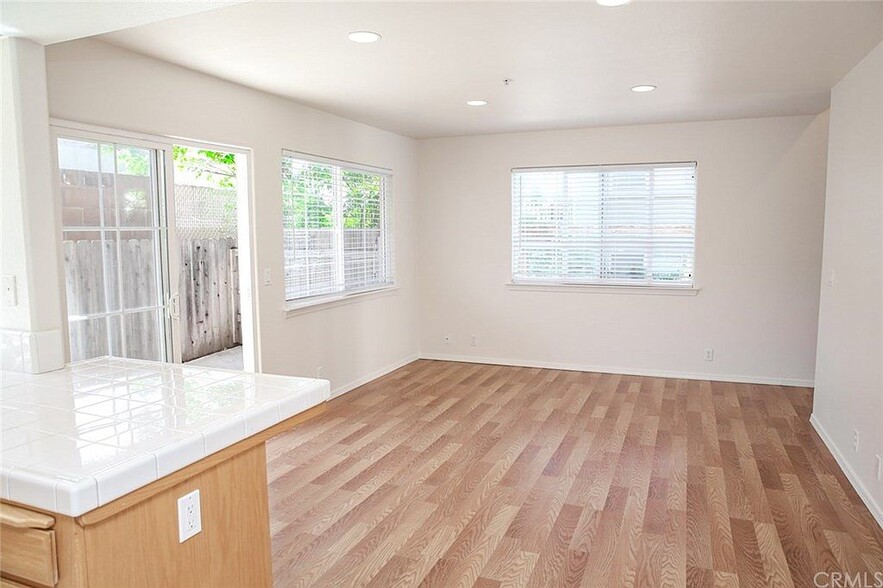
(709, 355)
(267, 277)
(189, 516)
(474, 341)
(855, 440)
(830, 279)
(319, 372)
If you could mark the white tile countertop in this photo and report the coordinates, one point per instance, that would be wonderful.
(78, 438)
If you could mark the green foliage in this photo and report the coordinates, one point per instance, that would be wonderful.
(217, 167)
(132, 161)
(362, 205)
(308, 196)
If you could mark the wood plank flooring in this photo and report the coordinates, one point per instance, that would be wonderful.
(452, 474)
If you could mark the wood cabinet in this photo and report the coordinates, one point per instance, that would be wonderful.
(28, 551)
(5, 583)
(133, 541)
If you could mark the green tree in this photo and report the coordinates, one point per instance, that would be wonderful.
(307, 194)
(130, 160)
(218, 167)
(362, 205)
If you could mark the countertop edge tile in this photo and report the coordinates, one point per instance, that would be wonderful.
(179, 454)
(288, 407)
(4, 485)
(122, 478)
(262, 417)
(73, 498)
(224, 433)
(32, 488)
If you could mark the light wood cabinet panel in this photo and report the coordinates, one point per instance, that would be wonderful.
(22, 518)
(29, 554)
(6, 583)
(139, 547)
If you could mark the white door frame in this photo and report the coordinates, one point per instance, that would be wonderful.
(247, 275)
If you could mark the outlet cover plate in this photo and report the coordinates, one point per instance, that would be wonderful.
(189, 516)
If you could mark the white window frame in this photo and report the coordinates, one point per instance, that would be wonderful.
(301, 305)
(601, 286)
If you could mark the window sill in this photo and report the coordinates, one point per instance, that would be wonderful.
(295, 308)
(607, 289)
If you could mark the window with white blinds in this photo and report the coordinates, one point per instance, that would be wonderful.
(336, 223)
(629, 225)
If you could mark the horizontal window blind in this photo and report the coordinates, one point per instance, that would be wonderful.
(618, 225)
(336, 227)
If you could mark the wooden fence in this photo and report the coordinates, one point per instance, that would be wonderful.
(209, 297)
(208, 292)
(94, 287)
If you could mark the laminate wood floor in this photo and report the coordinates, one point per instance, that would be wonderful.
(452, 474)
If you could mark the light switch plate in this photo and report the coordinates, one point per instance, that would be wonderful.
(189, 516)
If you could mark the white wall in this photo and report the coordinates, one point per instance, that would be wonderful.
(849, 370)
(758, 251)
(30, 325)
(93, 82)
(26, 186)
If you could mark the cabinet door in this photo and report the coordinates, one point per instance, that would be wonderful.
(29, 554)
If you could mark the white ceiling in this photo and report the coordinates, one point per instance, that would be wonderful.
(53, 22)
(573, 63)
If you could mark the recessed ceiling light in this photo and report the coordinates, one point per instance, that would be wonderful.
(476, 103)
(613, 2)
(643, 88)
(364, 36)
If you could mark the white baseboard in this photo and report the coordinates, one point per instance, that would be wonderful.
(373, 375)
(620, 370)
(853, 478)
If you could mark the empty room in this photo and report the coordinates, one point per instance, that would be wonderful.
(441, 294)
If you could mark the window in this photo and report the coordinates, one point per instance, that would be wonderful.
(629, 225)
(336, 220)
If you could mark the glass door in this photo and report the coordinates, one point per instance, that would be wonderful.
(116, 263)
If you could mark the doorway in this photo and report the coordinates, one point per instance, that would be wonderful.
(209, 236)
(156, 249)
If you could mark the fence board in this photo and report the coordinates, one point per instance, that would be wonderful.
(210, 298)
(91, 280)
